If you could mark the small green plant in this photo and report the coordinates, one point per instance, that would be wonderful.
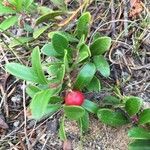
(60, 84)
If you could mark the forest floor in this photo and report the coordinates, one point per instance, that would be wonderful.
(129, 58)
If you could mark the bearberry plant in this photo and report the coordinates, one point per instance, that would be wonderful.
(72, 70)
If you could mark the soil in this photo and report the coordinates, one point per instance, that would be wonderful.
(129, 58)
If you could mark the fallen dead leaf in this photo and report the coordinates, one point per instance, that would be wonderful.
(136, 8)
(67, 145)
(3, 124)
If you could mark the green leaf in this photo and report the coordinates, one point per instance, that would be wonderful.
(144, 116)
(74, 112)
(60, 4)
(111, 100)
(62, 133)
(133, 105)
(94, 85)
(56, 99)
(90, 106)
(84, 122)
(6, 10)
(84, 53)
(17, 4)
(140, 145)
(22, 72)
(68, 36)
(19, 41)
(82, 42)
(100, 45)
(111, 117)
(39, 104)
(32, 90)
(83, 25)
(85, 76)
(49, 50)
(96, 36)
(7, 23)
(51, 109)
(102, 65)
(37, 67)
(39, 31)
(59, 43)
(138, 133)
(48, 16)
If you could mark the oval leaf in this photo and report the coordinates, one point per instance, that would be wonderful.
(59, 43)
(144, 116)
(49, 50)
(22, 72)
(94, 85)
(74, 112)
(84, 53)
(133, 105)
(37, 67)
(111, 118)
(90, 106)
(100, 45)
(138, 133)
(85, 76)
(83, 25)
(39, 104)
(102, 65)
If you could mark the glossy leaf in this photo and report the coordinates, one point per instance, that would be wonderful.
(84, 52)
(49, 50)
(133, 105)
(37, 67)
(32, 90)
(94, 85)
(84, 122)
(85, 76)
(21, 72)
(111, 100)
(7, 23)
(90, 106)
(59, 43)
(100, 45)
(138, 133)
(74, 112)
(83, 25)
(62, 133)
(39, 104)
(111, 118)
(48, 16)
(102, 65)
(139, 145)
(19, 41)
(39, 31)
(144, 116)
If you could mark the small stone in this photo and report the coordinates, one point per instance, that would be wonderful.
(16, 99)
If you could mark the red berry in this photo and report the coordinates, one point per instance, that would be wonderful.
(74, 98)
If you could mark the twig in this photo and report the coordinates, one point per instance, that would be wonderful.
(125, 17)
(113, 26)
